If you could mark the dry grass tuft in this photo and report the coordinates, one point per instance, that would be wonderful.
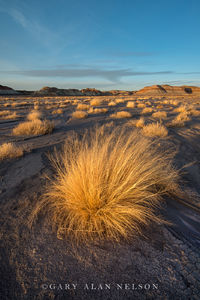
(181, 108)
(10, 150)
(82, 106)
(121, 114)
(107, 185)
(34, 115)
(183, 117)
(155, 130)
(79, 114)
(96, 102)
(160, 115)
(34, 127)
(97, 110)
(195, 112)
(130, 104)
(140, 123)
(57, 111)
(147, 110)
(12, 115)
(112, 103)
(4, 113)
(141, 105)
(120, 100)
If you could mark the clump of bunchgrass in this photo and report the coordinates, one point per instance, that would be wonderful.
(34, 127)
(107, 185)
(112, 103)
(130, 104)
(83, 106)
(34, 115)
(79, 114)
(96, 102)
(140, 123)
(155, 130)
(10, 150)
(160, 115)
(57, 111)
(121, 114)
(146, 110)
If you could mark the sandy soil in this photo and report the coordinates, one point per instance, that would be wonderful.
(35, 264)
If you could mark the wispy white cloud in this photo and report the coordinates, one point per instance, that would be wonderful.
(37, 30)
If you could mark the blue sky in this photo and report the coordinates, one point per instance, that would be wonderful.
(113, 44)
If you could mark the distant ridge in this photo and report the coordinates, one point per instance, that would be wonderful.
(162, 90)
(154, 90)
(5, 90)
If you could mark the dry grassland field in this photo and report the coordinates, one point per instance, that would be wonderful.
(100, 197)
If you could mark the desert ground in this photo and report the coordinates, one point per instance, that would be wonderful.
(161, 263)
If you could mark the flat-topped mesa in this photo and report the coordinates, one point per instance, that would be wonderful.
(167, 90)
(5, 90)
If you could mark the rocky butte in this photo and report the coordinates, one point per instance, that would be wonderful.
(149, 91)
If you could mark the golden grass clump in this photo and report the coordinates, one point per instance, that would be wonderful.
(10, 150)
(147, 110)
(183, 117)
(96, 102)
(120, 100)
(97, 110)
(130, 104)
(121, 114)
(82, 106)
(4, 113)
(12, 115)
(34, 127)
(106, 185)
(141, 105)
(155, 130)
(159, 115)
(34, 115)
(79, 114)
(195, 112)
(181, 108)
(57, 111)
(140, 123)
(112, 103)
